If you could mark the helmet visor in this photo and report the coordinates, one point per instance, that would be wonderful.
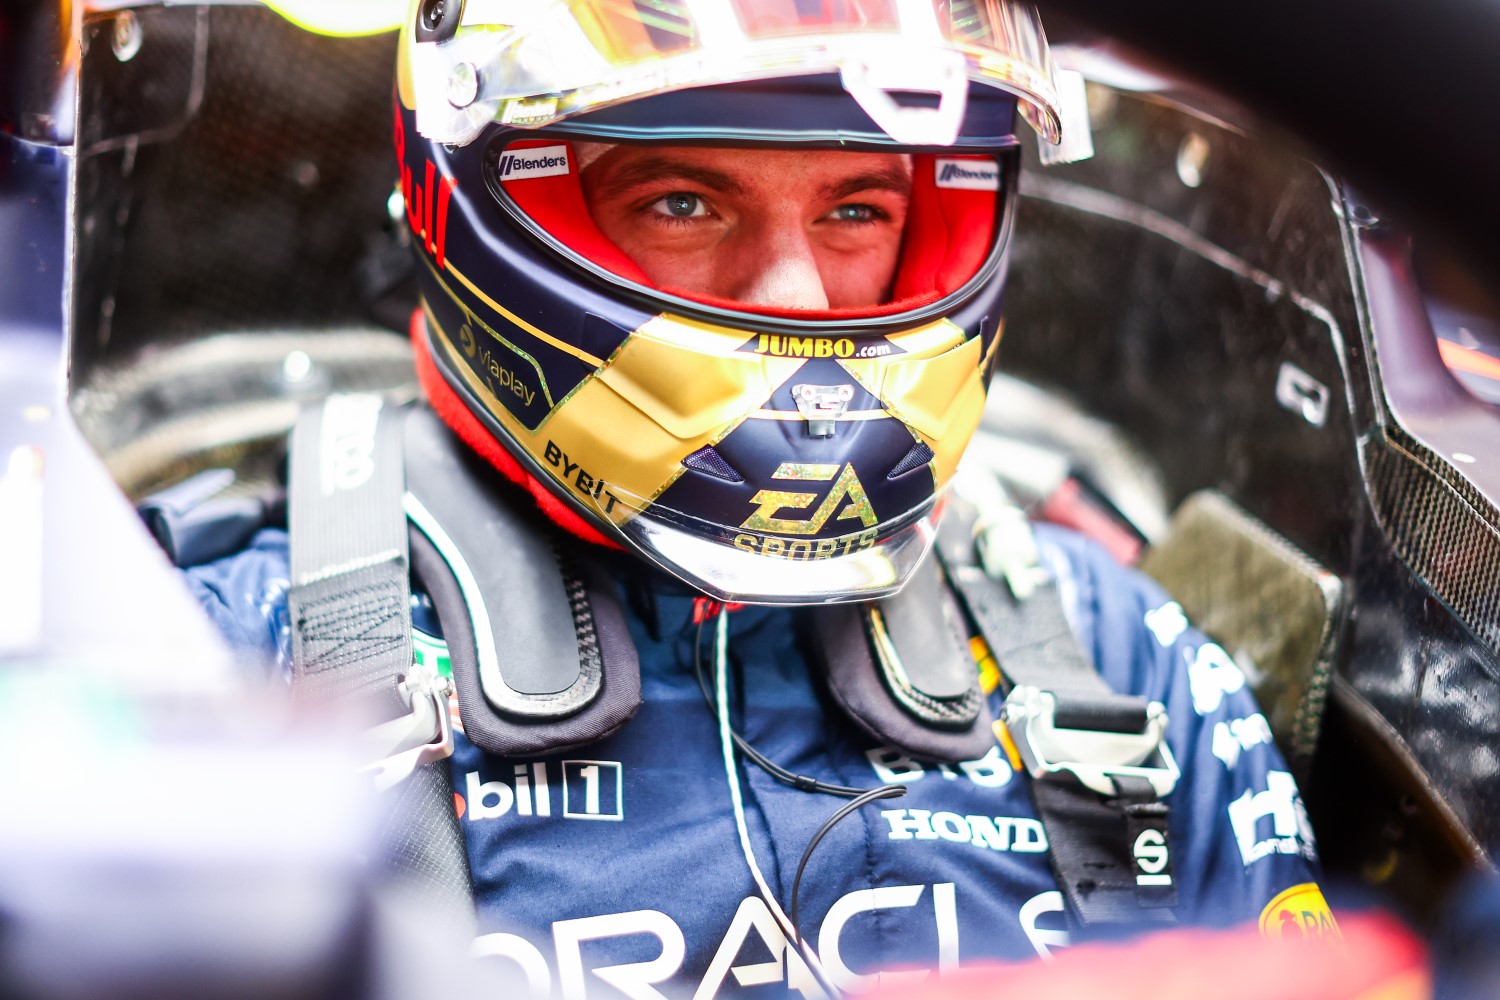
(533, 63)
(806, 234)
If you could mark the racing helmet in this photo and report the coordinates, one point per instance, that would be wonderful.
(764, 447)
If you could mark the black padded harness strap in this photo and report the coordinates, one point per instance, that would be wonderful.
(1110, 846)
(1093, 848)
(1032, 640)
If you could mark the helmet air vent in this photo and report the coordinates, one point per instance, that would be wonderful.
(706, 459)
(915, 459)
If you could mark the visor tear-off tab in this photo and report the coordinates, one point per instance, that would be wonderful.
(1111, 853)
(350, 609)
(541, 655)
(901, 670)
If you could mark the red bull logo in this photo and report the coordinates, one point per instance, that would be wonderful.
(426, 202)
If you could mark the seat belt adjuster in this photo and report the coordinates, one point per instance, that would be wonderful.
(1093, 757)
(422, 736)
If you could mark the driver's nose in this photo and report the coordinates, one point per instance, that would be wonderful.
(778, 268)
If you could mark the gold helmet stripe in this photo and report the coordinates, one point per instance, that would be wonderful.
(542, 335)
(621, 439)
(941, 397)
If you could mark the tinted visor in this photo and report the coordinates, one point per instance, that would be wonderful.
(807, 234)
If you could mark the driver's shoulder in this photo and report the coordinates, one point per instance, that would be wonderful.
(245, 593)
(1138, 636)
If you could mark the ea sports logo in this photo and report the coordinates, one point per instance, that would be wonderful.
(846, 487)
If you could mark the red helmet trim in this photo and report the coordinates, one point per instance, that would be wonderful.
(949, 232)
(454, 412)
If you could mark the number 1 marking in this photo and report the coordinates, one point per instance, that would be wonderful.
(599, 799)
(590, 776)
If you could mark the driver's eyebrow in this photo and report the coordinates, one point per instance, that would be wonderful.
(892, 178)
(657, 169)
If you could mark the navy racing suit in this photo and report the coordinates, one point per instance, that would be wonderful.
(618, 870)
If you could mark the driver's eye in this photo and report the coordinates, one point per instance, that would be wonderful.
(680, 205)
(856, 213)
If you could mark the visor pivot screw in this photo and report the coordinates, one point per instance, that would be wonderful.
(1362, 216)
(433, 12)
(127, 37)
(463, 85)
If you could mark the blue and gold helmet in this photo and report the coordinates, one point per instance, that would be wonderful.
(677, 395)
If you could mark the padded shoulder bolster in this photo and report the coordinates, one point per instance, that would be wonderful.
(541, 656)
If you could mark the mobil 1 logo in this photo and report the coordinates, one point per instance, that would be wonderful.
(569, 789)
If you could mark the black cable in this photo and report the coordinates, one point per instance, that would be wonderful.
(864, 798)
(800, 782)
(857, 796)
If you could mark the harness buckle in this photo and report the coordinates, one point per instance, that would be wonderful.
(422, 736)
(1091, 756)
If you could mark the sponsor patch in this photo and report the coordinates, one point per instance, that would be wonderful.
(1300, 914)
(847, 486)
(971, 175)
(1212, 675)
(1236, 736)
(1280, 808)
(524, 164)
(1167, 623)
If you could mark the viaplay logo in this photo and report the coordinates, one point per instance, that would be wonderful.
(972, 175)
(543, 161)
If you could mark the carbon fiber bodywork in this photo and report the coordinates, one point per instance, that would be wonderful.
(1172, 310)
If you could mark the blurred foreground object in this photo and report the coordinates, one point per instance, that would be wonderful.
(189, 846)
(1378, 960)
(342, 18)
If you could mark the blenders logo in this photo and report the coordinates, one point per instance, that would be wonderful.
(543, 161)
(971, 175)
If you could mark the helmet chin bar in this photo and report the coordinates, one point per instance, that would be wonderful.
(845, 569)
(729, 573)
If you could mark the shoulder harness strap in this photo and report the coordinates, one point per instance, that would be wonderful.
(1099, 763)
(350, 609)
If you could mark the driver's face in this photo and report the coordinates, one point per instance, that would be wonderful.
(795, 230)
